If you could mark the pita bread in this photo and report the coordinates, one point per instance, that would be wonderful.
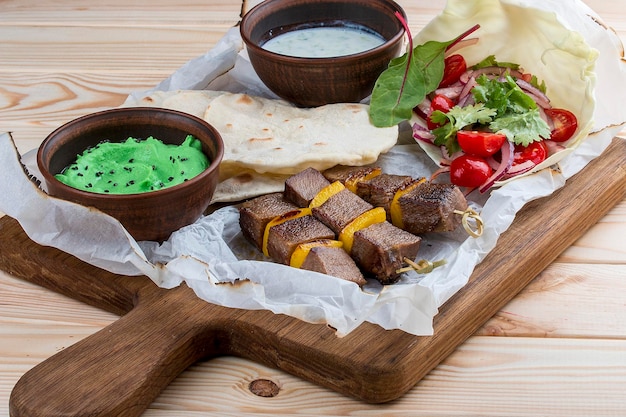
(248, 184)
(266, 140)
(187, 101)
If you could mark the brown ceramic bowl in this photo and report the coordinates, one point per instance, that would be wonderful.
(310, 82)
(146, 216)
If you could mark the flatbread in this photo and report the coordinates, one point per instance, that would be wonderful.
(248, 184)
(275, 137)
(194, 102)
(266, 140)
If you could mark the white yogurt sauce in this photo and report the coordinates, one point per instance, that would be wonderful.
(323, 42)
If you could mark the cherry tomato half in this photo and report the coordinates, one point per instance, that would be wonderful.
(536, 152)
(565, 124)
(477, 143)
(469, 171)
(454, 66)
(441, 103)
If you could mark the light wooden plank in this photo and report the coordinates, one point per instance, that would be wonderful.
(120, 13)
(35, 103)
(603, 243)
(567, 300)
(24, 302)
(137, 50)
(486, 376)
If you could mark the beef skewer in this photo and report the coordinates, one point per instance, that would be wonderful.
(291, 236)
(413, 204)
(378, 247)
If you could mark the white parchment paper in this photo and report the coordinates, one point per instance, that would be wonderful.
(211, 257)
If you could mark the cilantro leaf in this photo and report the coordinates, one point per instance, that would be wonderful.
(491, 61)
(517, 116)
(522, 128)
(503, 95)
(534, 81)
(456, 119)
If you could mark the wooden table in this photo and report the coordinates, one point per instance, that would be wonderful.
(559, 348)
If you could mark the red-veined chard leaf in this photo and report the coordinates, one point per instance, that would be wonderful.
(408, 80)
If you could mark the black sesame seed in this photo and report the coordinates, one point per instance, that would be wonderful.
(129, 183)
(99, 173)
(131, 160)
(128, 169)
(170, 179)
(74, 168)
(112, 172)
(79, 174)
(86, 168)
(182, 172)
(154, 167)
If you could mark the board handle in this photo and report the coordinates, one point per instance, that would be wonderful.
(121, 369)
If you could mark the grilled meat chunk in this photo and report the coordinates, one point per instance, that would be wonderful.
(288, 233)
(340, 209)
(255, 214)
(283, 238)
(380, 249)
(335, 262)
(350, 176)
(302, 187)
(380, 190)
(430, 208)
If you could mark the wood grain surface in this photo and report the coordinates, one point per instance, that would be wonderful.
(121, 369)
(556, 349)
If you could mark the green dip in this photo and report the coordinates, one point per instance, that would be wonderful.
(135, 166)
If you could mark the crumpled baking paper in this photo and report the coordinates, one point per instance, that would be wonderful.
(211, 254)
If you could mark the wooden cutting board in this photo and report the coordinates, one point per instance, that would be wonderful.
(122, 368)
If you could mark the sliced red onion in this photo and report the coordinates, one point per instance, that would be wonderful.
(465, 97)
(540, 98)
(493, 163)
(422, 133)
(451, 92)
(546, 118)
(423, 109)
(497, 71)
(440, 171)
(553, 147)
(466, 76)
(505, 163)
(445, 155)
(460, 45)
(519, 169)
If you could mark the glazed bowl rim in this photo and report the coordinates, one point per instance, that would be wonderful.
(88, 195)
(319, 60)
